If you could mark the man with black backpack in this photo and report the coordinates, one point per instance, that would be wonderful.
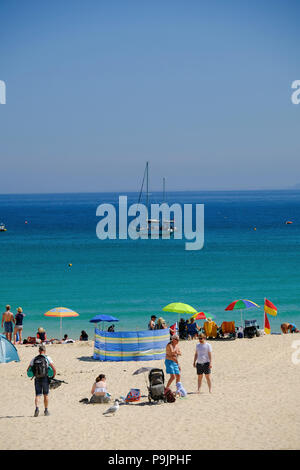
(40, 366)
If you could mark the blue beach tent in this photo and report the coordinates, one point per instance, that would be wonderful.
(8, 352)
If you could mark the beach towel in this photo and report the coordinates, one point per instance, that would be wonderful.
(210, 329)
(180, 390)
(228, 327)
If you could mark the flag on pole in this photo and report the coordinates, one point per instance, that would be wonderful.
(270, 308)
(267, 325)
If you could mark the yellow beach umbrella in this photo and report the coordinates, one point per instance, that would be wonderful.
(180, 308)
(61, 312)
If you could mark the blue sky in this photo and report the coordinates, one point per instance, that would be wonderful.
(201, 89)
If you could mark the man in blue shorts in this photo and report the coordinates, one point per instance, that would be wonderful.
(8, 321)
(40, 366)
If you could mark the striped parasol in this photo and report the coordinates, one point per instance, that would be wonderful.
(241, 304)
(61, 312)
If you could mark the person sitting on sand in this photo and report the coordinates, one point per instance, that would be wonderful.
(99, 391)
(19, 325)
(111, 329)
(41, 336)
(289, 328)
(8, 321)
(84, 336)
(67, 340)
(171, 361)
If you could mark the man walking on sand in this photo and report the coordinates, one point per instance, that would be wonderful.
(40, 365)
(203, 361)
(8, 321)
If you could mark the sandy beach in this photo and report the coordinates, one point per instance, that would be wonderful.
(254, 404)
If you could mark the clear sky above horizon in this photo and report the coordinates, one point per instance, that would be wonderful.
(201, 89)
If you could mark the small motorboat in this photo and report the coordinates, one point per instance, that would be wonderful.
(2, 228)
(288, 222)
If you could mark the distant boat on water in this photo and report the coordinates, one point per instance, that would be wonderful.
(155, 226)
(2, 227)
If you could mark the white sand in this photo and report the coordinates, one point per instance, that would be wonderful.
(254, 404)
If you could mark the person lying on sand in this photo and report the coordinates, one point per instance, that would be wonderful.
(289, 328)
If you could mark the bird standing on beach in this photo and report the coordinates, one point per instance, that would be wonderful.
(113, 409)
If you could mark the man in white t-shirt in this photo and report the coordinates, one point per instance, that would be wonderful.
(203, 361)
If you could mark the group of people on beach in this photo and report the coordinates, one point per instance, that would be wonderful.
(202, 361)
(13, 329)
(157, 323)
(41, 364)
(13, 324)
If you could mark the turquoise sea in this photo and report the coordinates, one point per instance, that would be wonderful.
(134, 279)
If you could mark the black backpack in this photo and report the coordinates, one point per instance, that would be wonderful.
(40, 367)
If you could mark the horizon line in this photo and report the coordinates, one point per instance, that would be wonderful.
(151, 192)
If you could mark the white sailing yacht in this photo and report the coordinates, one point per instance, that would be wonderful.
(155, 226)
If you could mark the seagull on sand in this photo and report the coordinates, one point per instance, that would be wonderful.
(113, 409)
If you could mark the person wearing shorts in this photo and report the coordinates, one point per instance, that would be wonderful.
(19, 325)
(41, 385)
(203, 361)
(8, 321)
(171, 361)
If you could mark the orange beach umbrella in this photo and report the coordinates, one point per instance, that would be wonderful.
(61, 312)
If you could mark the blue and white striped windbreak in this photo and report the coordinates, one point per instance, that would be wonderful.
(145, 345)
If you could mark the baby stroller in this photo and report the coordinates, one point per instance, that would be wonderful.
(156, 385)
(251, 329)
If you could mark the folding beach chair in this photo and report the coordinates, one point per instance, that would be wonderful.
(227, 330)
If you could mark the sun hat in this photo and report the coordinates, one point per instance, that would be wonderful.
(41, 329)
(19, 309)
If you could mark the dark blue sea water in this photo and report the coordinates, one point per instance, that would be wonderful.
(134, 279)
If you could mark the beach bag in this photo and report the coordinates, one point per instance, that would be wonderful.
(31, 340)
(169, 395)
(40, 367)
(133, 395)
